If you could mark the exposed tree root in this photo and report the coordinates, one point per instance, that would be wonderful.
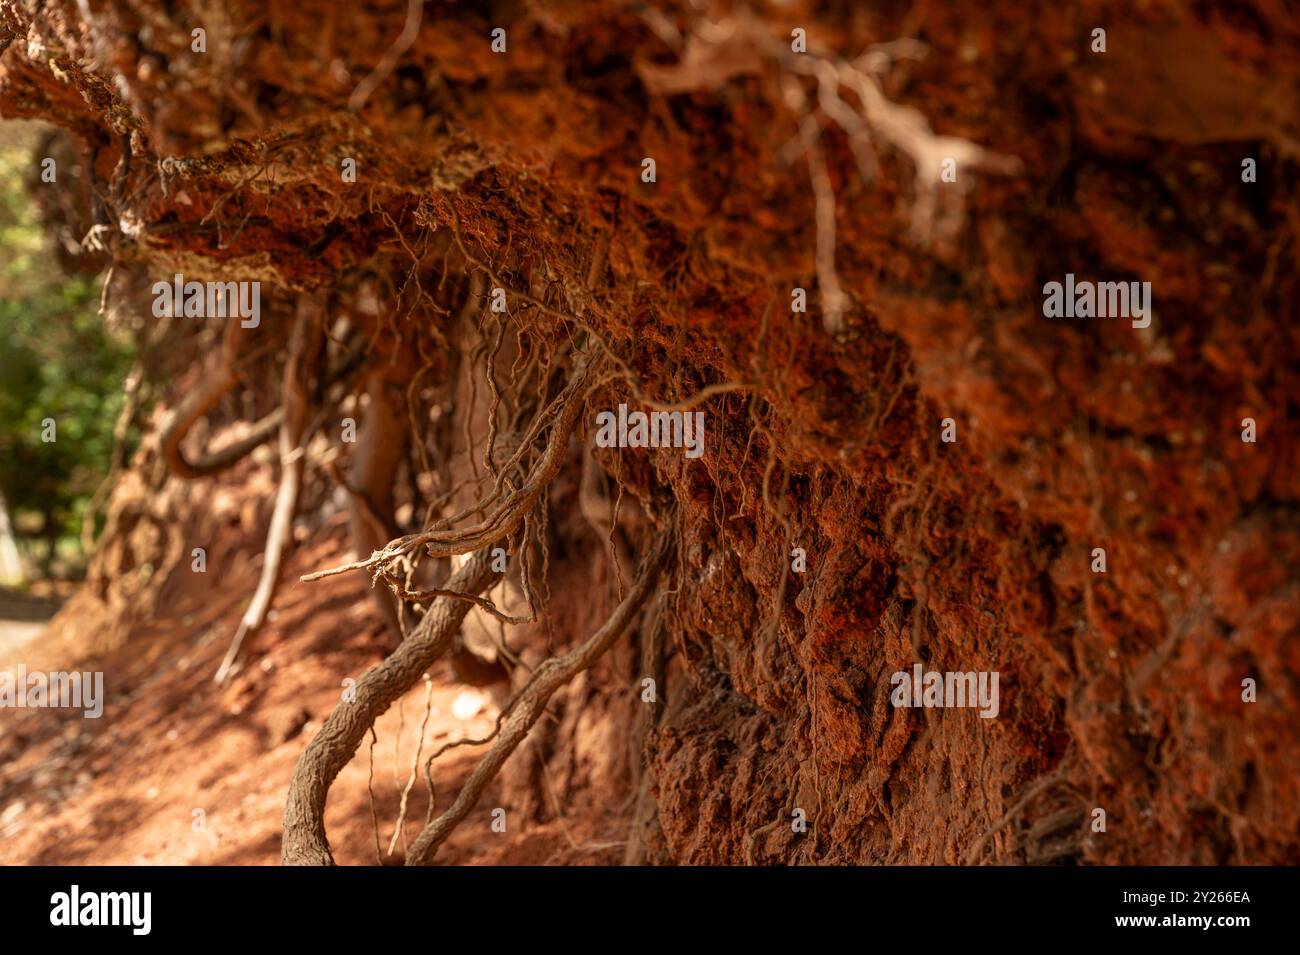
(305, 353)
(654, 666)
(713, 52)
(198, 404)
(532, 700)
(1042, 784)
(505, 518)
(384, 437)
(399, 828)
(305, 841)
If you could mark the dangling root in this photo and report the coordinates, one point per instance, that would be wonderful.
(654, 664)
(1039, 785)
(532, 700)
(304, 356)
(384, 436)
(199, 403)
(505, 518)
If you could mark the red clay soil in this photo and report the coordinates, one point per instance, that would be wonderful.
(179, 771)
(1121, 692)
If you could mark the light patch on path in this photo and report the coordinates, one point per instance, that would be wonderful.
(22, 620)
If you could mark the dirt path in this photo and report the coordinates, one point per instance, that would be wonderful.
(182, 772)
(22, 620)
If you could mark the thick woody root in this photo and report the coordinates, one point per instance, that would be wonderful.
(305, 841)
(532, 700)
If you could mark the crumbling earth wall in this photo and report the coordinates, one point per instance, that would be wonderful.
(1120, 691)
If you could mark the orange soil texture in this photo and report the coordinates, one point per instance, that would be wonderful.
(1120, 691)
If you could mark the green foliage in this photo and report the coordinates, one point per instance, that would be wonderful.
(56, 361)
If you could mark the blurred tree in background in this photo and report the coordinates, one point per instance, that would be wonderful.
(57, 360)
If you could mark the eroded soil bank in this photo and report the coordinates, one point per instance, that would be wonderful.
(525, 170)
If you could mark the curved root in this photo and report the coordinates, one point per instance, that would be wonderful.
(197, 405)
(305, 842)
(304, 358)
(532, 700)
